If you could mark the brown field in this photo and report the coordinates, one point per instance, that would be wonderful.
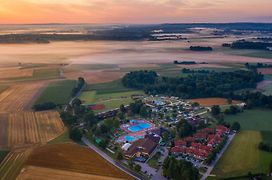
(74, 158)
(13, 163)
(19, 97)
(6, 73)
(94, 77)
(32, 128)
(213, 101)
(3, 130)
(265, 70)
(41, 173)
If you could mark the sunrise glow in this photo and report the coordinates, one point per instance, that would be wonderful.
(133, 11)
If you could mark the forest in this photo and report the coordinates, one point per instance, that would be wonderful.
(201, 85)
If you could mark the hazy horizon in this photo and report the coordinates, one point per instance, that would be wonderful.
(134, 12)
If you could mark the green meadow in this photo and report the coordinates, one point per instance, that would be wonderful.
(243, 154)
(57, 92)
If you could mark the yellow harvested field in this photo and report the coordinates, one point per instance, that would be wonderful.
(33, 127)
(74, 158)
(41, 173)
(6, 73)
(19, 97)
(13, 163)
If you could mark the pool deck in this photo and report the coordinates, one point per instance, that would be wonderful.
(134, 134)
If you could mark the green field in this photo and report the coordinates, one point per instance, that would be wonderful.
(61, 139)
(77, 67)
(46, 73)
(40, 74)
(3, 154)
(267, 136)
(267, 90)
(243, 156)
(57, 92)
(247, 52)
(3, 87)
(110, 100)
(109, 87)
(257, 119)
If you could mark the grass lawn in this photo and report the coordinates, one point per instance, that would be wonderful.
(110, 87)
(3, 154)
(110, 100)
(256, 119)
(267, 136)
(61, 139)
(57, 92)
(153, 162)
(243, 156)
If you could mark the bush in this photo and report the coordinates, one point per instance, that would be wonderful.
(75, 134)
(137, 168)
(44, 106)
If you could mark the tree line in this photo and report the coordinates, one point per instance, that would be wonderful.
(193, 86)
(179, 169)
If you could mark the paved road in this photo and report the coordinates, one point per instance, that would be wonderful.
(210, 168)
(106, 157)
(72, 99)
(158, 175)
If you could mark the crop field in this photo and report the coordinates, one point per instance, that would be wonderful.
(256, 119)
(243, 156)
(46, 73)
(94, 77)
(265, 86)
(19, 97)
(14, 72)
(57, 92)
(41, 173)
(109, 100)
(31, 128)
(3, 130)
(213, 101)
(73, 158)
(13, 163)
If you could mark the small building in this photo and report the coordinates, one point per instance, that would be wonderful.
(126, 146)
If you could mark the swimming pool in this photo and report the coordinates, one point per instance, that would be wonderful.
(132, 138)
(139, 127)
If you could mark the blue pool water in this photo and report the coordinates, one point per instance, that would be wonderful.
(132, 138)
(139, 127)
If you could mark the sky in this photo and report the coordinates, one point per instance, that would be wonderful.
(134, 11)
